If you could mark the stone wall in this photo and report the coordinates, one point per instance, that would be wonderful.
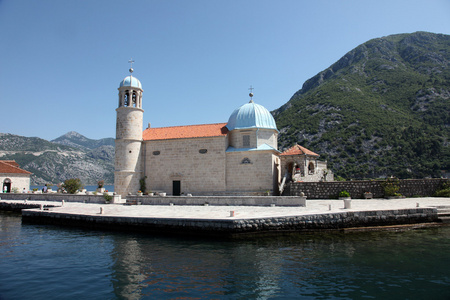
(198, 163)
(251, 170)
(330, 190)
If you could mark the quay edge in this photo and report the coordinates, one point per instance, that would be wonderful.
(236, 226)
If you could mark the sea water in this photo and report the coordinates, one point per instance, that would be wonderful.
(48, 262)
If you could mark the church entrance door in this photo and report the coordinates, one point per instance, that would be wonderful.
(176, 188)
(6, 188)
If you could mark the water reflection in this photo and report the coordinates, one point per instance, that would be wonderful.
(70, 263)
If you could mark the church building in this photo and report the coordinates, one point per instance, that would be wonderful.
(240, 157)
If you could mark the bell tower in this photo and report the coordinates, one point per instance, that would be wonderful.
(128, 142)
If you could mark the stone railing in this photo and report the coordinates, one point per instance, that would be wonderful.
(357, 188)
(59, 197)
(219, 200)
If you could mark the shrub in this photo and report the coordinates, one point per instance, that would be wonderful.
(142, 184)
(107, 197)
(72, 185)
(444, 191)
(391, 187)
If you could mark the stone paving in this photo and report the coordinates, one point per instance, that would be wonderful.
(240, 212)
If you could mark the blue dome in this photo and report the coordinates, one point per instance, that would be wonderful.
(251, 115)
(131, 81)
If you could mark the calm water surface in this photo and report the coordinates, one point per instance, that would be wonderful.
(47, 262)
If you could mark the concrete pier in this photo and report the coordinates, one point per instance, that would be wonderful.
(219, 221)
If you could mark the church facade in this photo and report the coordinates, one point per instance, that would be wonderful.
(239, 157)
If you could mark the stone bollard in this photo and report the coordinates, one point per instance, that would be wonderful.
(41, 206)
(347, 203)
(329, 206)
(231, 213)
(62, 202)
(417, 205)
(101, 210)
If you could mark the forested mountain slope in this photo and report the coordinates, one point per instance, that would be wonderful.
(381, 110)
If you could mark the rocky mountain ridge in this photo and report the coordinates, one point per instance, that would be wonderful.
(54, 162)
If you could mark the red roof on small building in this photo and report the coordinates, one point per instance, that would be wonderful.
(10, 166)
(298, 150)
(185, 132)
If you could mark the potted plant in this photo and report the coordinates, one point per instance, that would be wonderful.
(344, 195)
(100, 186)
(139, 193)
(368, 195)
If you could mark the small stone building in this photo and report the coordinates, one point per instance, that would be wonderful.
(239, 157)
(301, 164)
(12, 177)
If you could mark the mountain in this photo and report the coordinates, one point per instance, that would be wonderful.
(77, 140)
(52, 162)
(380, 110)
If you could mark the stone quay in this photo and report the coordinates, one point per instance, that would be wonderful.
(235, 220)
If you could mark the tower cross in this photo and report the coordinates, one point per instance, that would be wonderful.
(131, 61)
(251, 89)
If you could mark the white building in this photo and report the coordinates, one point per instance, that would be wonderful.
(12, 177)
(239, 157)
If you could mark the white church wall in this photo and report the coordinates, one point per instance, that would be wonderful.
(198, 163)
(250, 171)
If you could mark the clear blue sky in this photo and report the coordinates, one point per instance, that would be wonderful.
(61, 61)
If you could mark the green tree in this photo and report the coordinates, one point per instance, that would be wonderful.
(73, 185)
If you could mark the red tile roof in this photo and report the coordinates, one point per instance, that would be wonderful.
(185, 132)
(299, 150)
(10, 166)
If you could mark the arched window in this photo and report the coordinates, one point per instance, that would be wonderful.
(311, 168)
(126, 99)
(134, 99)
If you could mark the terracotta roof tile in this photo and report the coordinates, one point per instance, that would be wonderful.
(11, 162)
(10, 166)
(185, 132)
(298, 150)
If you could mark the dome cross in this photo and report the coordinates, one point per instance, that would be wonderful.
(251, 93)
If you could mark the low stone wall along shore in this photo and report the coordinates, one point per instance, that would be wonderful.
(357, 188)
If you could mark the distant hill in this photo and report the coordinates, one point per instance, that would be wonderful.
(77, 140)
(51, 162)
(381, 110)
